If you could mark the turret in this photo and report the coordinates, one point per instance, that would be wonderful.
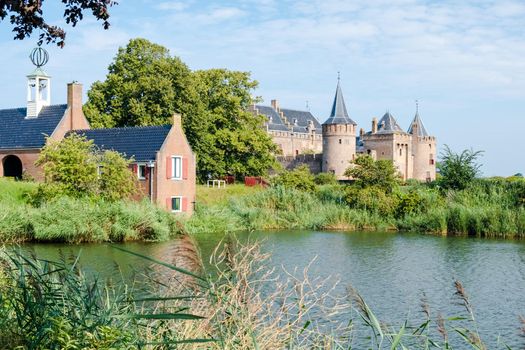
(423, 150)
(38, 84)
(339, 137)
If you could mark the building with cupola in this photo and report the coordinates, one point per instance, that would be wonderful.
(412, 152)
(160, 157)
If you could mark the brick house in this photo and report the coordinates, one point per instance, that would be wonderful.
(162, 157)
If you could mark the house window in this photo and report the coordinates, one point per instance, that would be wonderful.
(176, 204)
(176, 167)
(100, 170)
(141, 171)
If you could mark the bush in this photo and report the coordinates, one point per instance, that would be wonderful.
(325, 179)
(74, 167)
(372, 199)
(300, 178)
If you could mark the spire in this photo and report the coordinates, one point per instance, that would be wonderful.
(388, 124)
(416, 127)
(339, 114)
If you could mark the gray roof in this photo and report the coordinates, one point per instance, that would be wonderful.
(421, 131)
(339, 114)
(276, 123)
(140, 142)
(388, 124)
(19, 132)
(302, 119)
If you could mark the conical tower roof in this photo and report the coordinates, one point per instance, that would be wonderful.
(339, 114)
(388, 124)
(417, 124)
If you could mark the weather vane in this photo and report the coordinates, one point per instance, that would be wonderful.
(417, 106)
(39, 56)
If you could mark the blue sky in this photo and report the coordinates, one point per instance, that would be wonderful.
(463, 60)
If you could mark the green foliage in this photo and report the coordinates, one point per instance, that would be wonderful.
(115, 180)
(145, 85)
(457, 171)
(368, 172)
(74, 167)
(71, 220)
(299, 178)
(72, 163)
(325, 179)
(373, 199)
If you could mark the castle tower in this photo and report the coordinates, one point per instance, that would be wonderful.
(339, 137)
(38, 84)
(423, 150)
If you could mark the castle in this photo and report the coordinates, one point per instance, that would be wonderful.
(335, 144)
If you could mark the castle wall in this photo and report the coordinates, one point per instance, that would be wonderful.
(339, 148)
(313, 161)
(292, 144)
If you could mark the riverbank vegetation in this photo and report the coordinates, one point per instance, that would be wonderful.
(240, 303)
(457, 203)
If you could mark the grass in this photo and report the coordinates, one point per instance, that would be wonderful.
(215, 196)
(13, 192)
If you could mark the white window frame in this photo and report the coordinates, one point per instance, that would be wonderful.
(180, 204)
(173, 168)
(138, 171)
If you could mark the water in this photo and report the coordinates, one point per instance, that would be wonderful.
(392, 271)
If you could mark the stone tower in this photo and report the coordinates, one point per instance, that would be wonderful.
(339, 137)
(423, 150)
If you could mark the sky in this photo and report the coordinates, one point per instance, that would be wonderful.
(462, 60)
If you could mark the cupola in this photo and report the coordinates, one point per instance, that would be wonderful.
(38, 84)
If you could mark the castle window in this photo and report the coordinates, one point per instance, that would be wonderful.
(400, 151)
(340, 141)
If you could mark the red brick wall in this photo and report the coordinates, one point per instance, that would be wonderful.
(175, 144)
(28, 159)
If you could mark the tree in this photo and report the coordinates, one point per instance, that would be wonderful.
(76, 168)
(457, 171)
(145, 85)
(368, 172)
(28, 15)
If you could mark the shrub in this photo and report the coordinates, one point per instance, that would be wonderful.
(74, 167)
(368, 172)
(325, 179)
(373, 199)
(300, 178)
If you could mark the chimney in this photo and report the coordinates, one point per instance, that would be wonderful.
(374, 125)
(74, 103)
(361, 132)
(177, 120)
(275, 105)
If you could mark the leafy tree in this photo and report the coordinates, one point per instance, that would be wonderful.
(299, 178)
(27, 15)
(115, 181)
(457, 171)
(74, 167)
(368, 172)
(71, 163)
(145, 86)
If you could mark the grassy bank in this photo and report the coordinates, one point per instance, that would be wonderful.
(78, 220)
(487, 208)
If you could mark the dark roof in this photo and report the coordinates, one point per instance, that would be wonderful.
(276, 122)
(141, 142)
(388, 124)
(19, 132)
(339, 114)
(300, 120)
(421, 131)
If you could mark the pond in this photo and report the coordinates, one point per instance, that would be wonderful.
(392, 271)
